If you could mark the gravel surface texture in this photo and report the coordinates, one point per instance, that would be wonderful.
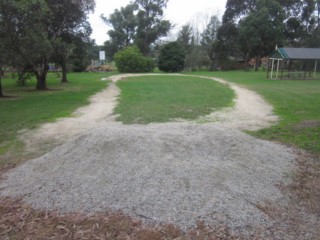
(173, 172)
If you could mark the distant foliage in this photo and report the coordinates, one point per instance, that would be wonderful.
(131, 60)
(141, 22)
(172, 57)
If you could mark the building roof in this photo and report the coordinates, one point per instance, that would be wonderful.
(296, 53)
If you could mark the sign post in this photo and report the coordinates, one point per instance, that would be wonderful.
(102, 57)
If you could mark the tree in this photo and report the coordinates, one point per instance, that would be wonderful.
(62, 50)
(236, 9)
(140, 23)
(72, 17)
(301, 21)
(2, 63)
(124, 23)
(151, 25)
(185, 37)
(33, 28)
(82, 53)
(252, 28)
(209, 38)
(131, 60)
(195, 54)
(228, 44)
(196, 58)
(301, 17)
(261, 31)
(172, 57)
(25, 26)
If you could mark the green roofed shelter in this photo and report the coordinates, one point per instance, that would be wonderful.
(298, 63)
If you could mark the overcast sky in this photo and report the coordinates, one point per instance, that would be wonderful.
(179, 12)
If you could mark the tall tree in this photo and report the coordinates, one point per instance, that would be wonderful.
(300, 21)
(71, 17)
(3, 59)
(209, 39)
(25, 26)
(262, 30)
(82, 54)
(2, 63)
(228, 41)
(151, 25)
(33, 28)
(236, 9)
(140, 22)
(124, 24)
(185, 37)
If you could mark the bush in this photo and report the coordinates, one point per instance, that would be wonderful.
(131, 60)
(172, 57)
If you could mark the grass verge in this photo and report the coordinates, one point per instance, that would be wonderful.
(164, 98)
(26, 108)
(295, 101)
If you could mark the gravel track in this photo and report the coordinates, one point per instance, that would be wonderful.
(173, 172)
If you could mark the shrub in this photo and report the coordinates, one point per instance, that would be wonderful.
(130, 59)
(172, 57)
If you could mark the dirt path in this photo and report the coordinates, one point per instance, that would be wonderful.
(48, 135)
(250, 112)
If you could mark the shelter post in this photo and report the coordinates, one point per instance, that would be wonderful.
(272, 66)
(278, 68)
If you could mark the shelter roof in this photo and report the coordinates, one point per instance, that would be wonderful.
(296, 53)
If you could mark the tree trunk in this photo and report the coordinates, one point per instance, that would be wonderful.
(64, 74)
(257, 63)
(1, 75)
(41, 75)
(41, 82)
(1, 92)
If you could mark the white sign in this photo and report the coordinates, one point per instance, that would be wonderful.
(102, 55)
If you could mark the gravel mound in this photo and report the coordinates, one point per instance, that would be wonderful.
(175, 172)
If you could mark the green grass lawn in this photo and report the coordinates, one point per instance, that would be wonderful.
(164, 98)
(27, 108)
(297, 102)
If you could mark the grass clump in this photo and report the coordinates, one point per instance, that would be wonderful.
(165, 98)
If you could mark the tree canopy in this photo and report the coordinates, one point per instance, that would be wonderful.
(34, 30)
(124, 27)
(172, 57)
(252, 28)
(140, 23)
(209, 39)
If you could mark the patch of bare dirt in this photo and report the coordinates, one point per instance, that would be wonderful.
(308, 124)
(49, 135)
